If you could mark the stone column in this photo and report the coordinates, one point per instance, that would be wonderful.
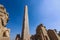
(25, 29)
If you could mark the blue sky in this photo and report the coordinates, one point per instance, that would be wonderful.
(40, 11)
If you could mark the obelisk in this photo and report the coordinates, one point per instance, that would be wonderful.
(25, 29)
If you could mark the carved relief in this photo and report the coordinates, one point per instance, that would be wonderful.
(4, 32)
(3, 16)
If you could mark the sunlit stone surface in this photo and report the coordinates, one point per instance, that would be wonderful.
(25, 29)
(4, 32)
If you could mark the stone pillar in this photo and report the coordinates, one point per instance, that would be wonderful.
(25, 29)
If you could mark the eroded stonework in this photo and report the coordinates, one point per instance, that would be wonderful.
(4, 32)
(41, 32)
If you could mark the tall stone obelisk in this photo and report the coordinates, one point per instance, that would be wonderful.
(25, 29)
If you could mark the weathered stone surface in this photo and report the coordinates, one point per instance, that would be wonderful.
(42, 33)
(4, 38)
(53, 35)
(4, 32)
